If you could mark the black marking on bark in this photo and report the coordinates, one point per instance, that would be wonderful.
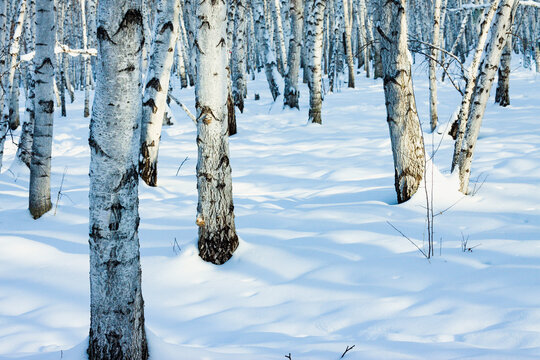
(168, 25)
(47, 106)
(152, 104)
(128, 178)
(155, 84)
(94, 145)
(129, 68)
(116, 216)
(102, 34)
(132, 17)
(43, 63)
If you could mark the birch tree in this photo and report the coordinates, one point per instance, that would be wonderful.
(499, 32)
(263, 37)
(433, 65)
(7, 119)
(314, 44)
(215, 209)
(402, 117)
(44, 63)
(347, 18)
(166, 30)
(291, 92)
(116, 303)
(472, 74)
(239, 55)
(502, 94)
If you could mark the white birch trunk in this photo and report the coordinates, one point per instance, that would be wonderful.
(347, 12)
(335, 51)
(116, 303)
(166, 30)
(215, 210)
(280, 43)
(263, 37)
(291, 92)
(44, 63)
(499, 33)
(6, 120)
(472, 73)
(502, 94)
(402, 117)
(239, 56)
(24, 149)
(433, 65)
(314, 43)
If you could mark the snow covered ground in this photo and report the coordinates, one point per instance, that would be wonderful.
(318, 267)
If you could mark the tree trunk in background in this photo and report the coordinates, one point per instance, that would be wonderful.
(116, 307)
(24, 149)
(280, 40)
(402, 117)
(347, 12)
(314, 41)
(263, 37)
(215, 210)
(44, 63)
(157, 86)
(501, 26)
(6, 120)
(502, 94)
(433, 65)
(239, 55)
(335, 49)
(471, 81)
(291, 92)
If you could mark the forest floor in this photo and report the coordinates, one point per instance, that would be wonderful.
(319, 267)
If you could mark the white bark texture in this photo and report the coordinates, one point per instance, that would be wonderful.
(44, 63)
(6, 119)
(433, 65)
(24, 149)
(335, 53)
(239, 55)
(472, 74)
(166, 29)
(347, 12)
(263, 37)
(499, 33)
(215, 210)
(402, 117)
(314, 43)
(116, 303)
(502, 94)
(86, 61)
(280, 43)
(291, 93)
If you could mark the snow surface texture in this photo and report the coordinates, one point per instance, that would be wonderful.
(318, 267)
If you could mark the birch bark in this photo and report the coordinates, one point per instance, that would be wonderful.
(314, 41)
(471, 81)
(402, 117)
(157, 85)
(291, 92)
(239, 56)
(24, 149)
(263, 37)
(502, 94)
(215, 210)
(433, 65)
(347, 8)
(7, 120)
(44, 63)
(499, 33)
(116, 303)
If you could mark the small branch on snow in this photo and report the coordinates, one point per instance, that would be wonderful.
(186, 159)
(406, 237)
(288, 356)
(349, 348)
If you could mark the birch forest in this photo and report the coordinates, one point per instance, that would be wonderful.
(259, 179)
